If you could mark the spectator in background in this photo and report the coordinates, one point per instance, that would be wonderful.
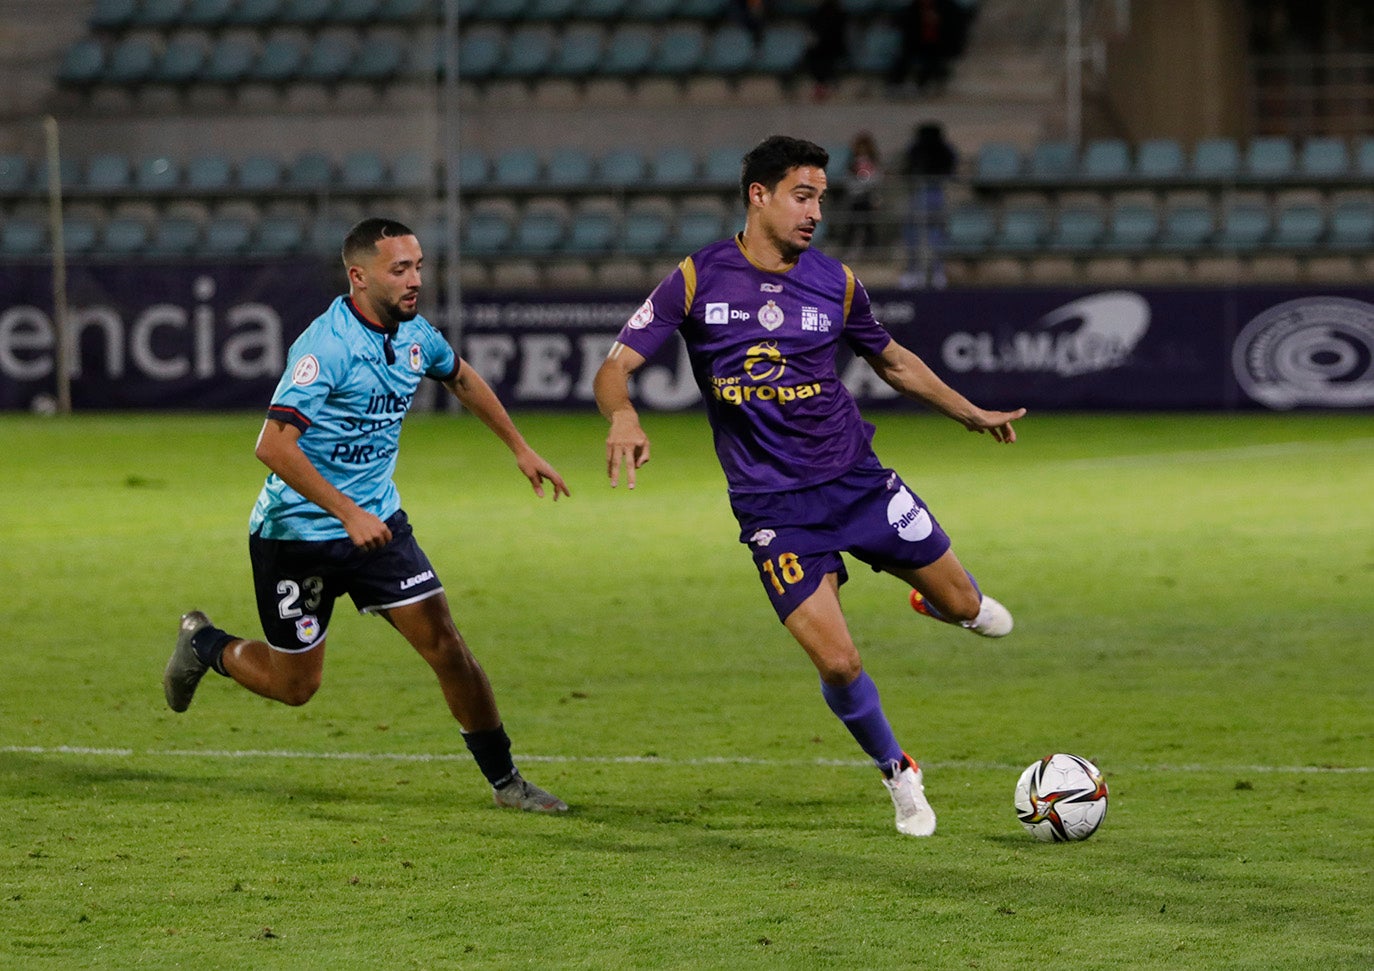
(828, 25)
(934, 33)
(750, 13)
(865, 175)
(930, 161)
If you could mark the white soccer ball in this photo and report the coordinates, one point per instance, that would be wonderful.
(1061, 798)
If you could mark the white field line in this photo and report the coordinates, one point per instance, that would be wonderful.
(626, 759)
(1239, 452)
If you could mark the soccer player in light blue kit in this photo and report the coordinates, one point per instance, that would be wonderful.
(762, 314)
(329, 521)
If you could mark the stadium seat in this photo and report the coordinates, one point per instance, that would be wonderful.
(969, 229)
(1298, 226)
(79, 233)
(554, 11)
(1244, 227)
(486, 232)
(112, 14)
(22, 238)
(1131, 227)
(781, 52)
(540, 230)
(132, 61)
(107, 172)
(1023, 228)
(277, 235)
(1324, 158)
(82, 64)
(68, 171)
(1216, 159)
(697, 225)
(230, 61)
(412, 171)
(280, 59)
(681, 49)
(1364, 157)
(601, 10)
(997, 162)
(592, 230)
(225, 236)
(157, 14)
(645, 229)
(529, 52)
(1352, 225)
(629, 50)
(480, 52)
(310, 172)
(173, 236)
(1185, 226)
(14, 174)
(1053, 161)
(380, 58)
(878, 47)
(325, 234)
(578, 52)
(206, 14)
(157, 174)
(517, 168)
(405, 11)
(1106, 160)
(568, 168)
(720, 169)
(508, 10)
(254, 13)
(1270, 158)
(123, 236)
(673, 168)
(708, 10)
(182, 60)
(363, 171)
(1077, 229)
(473, 170)
(329, 58)
(620, 168)
(209, 173)
(729, 52)
(259, 173)
(304, 13)
(355, 12)
(1159, 160)
(651, 9)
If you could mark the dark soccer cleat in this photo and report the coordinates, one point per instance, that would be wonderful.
(523, 794)
(184, 670)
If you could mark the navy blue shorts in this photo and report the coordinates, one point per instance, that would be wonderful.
(797, 536)
(297, 581)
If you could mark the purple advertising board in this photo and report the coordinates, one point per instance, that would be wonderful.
(214, 336)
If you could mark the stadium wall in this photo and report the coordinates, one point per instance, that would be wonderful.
(216, 337)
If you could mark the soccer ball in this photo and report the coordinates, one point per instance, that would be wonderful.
(1061, 798)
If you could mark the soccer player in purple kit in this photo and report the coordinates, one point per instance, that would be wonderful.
(762, 314)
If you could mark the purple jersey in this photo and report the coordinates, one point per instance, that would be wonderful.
(762, 346)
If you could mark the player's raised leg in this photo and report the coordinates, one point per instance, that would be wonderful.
(819, 626)
(945, 591)
(428, 626)
(289, 677)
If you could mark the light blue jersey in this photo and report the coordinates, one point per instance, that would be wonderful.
(348, 402)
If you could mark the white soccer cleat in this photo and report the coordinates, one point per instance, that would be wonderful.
(914, 815)
(993, 619)
(525, 795)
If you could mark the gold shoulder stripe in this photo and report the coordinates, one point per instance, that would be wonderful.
(689, 284)
(848, 290)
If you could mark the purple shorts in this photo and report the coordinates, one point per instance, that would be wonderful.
(797, 536)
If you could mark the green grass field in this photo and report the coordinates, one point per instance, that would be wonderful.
(1194, 599)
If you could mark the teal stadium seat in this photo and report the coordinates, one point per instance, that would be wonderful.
(474, 172)
(486, 233)
(1159, 160)
(781, 52)
(997, 162)
(363, 171)
(1270, 158)
(568, 168)
(553, 11)
(68, 171)
(310, 172)
(1023, 229)
(157, 174)
(1298, 226)
(132, 61)
(325, 234)
(1364, 158)
(1216, 160)
(304, 13)
(539, 232)
(329, 58)
(720, 169)
(206, 14)
(529, 52)
(969, 230)
(79, 234)
(1053, 161)
(412, 171)
(681, 50)
(1352, 226)
(507, 10)
(480, 52)
(578, 52)
(183, 60)
(407, 11)
(281, 59)
(260, 174)
(601, 10)
(696, 226)
(644, 231)
(1324, 158)
(1185, 226)
(230, 61)
(651, 10)
(23, 238)
(708, 10)
(629, 51)
(107, 172)
(1077, 229)
(83, 63)
(673, 168)
(1106, 160)
(380, 58)
(355, 12)
(209, 174)
(879, 45)
(277, 235)
(517, 168)
(123, 236)
(254, 13)
(112, 15)
(621, 168)
(14, 174)
(591, 232)
(174, 236)
(1244, 227)
(1131, 228)
(729, 52)
(225, 236)
(158, 14)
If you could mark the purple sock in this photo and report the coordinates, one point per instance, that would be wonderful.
(857, 705)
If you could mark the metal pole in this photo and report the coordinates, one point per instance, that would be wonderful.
(449, 141)
(1073, 70)
(61, 362)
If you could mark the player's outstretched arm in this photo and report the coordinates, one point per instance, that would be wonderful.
(912, 377)
(626, 443)
(474, 394)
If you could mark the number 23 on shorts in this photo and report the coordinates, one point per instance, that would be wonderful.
(788, 570)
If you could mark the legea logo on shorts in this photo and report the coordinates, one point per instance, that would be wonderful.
(911, 521)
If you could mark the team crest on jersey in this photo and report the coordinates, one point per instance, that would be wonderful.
(641, 317)
(763, 537)
(770, 315)
(307, 629)
(417, 358)
(307, 369)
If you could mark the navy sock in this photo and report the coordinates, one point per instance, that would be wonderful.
(491, 749)
(857, 705)
(209, 644)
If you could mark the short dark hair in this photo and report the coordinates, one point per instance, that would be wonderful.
(771, 159)
(362, 238)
